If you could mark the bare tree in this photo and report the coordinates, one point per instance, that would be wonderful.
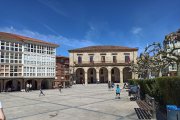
(150, 62)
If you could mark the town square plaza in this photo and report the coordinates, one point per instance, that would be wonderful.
(80, 102)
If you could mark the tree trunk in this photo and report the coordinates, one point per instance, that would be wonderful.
(160, 72)
(178, 69)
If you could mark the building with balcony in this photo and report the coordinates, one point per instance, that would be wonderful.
(102, 64)
(26, 60)
(172, 45)
(62, 71)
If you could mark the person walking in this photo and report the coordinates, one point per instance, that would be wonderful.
(60, 86)
(30, 86)
(27, 87)
(118, 90)
(2, 116)
(41, 93)
(109, 85)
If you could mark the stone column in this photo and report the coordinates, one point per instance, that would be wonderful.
(97, 77)
(39, 84)
(121, 74)
(109, 74)
(50, 83)
(21, 84)
(4, 85)
(14, 83)
(1, 85)
(86, 79)
(24, 84)
(86, 76)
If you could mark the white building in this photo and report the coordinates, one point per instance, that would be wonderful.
(26, 60)
(102, 64)
(172, 42)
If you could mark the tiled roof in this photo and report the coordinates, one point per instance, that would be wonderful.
(103, 49)
(64, 57)
(24, 39)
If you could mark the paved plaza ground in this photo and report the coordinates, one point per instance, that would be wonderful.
(92, 102)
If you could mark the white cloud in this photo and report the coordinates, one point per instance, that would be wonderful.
(58, 39)
(53, 5)
(136, 30)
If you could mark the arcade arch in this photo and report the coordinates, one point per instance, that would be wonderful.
(115, 75)
(103, 75)
(92, 75)
(80, 76)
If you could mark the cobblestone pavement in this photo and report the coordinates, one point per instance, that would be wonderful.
(92, 102)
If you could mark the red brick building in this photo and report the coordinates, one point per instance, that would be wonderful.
(62, 71)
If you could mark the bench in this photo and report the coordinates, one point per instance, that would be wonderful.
(148, 105)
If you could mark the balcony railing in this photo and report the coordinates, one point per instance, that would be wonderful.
(101, 62)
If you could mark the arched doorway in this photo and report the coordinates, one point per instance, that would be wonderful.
(9, 86)
(92, 75)
(103, 75)
(80, 76)
(44, 84)
(127, 74)
(115, 75)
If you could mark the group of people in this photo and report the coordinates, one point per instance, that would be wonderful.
(28, 87)
(110, 85)
(118, 89)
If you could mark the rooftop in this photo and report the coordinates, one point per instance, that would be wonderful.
(103, 49)
(62, 57)
(5, 35)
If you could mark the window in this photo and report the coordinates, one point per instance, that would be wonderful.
(102, 58)
(127, 59)
(62, 61)
(173, 67)
(2, 55)
(67, 61)
(114, 59)
(79, 59)
(2, 43)
(91, 59)
(2, 60)
(2, 47)
(16, 49)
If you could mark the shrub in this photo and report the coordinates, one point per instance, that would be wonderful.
(165, 90)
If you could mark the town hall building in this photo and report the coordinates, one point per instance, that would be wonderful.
(100, 64)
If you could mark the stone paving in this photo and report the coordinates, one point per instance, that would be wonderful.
(92, 102)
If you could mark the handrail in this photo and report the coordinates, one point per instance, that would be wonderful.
(95, 62)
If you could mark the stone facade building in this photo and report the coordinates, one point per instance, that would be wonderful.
(102, 64)
(62, 71)
(26, 60)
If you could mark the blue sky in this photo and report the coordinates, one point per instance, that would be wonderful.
(80, 23)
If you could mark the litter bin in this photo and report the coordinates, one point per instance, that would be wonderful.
(173, 112)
